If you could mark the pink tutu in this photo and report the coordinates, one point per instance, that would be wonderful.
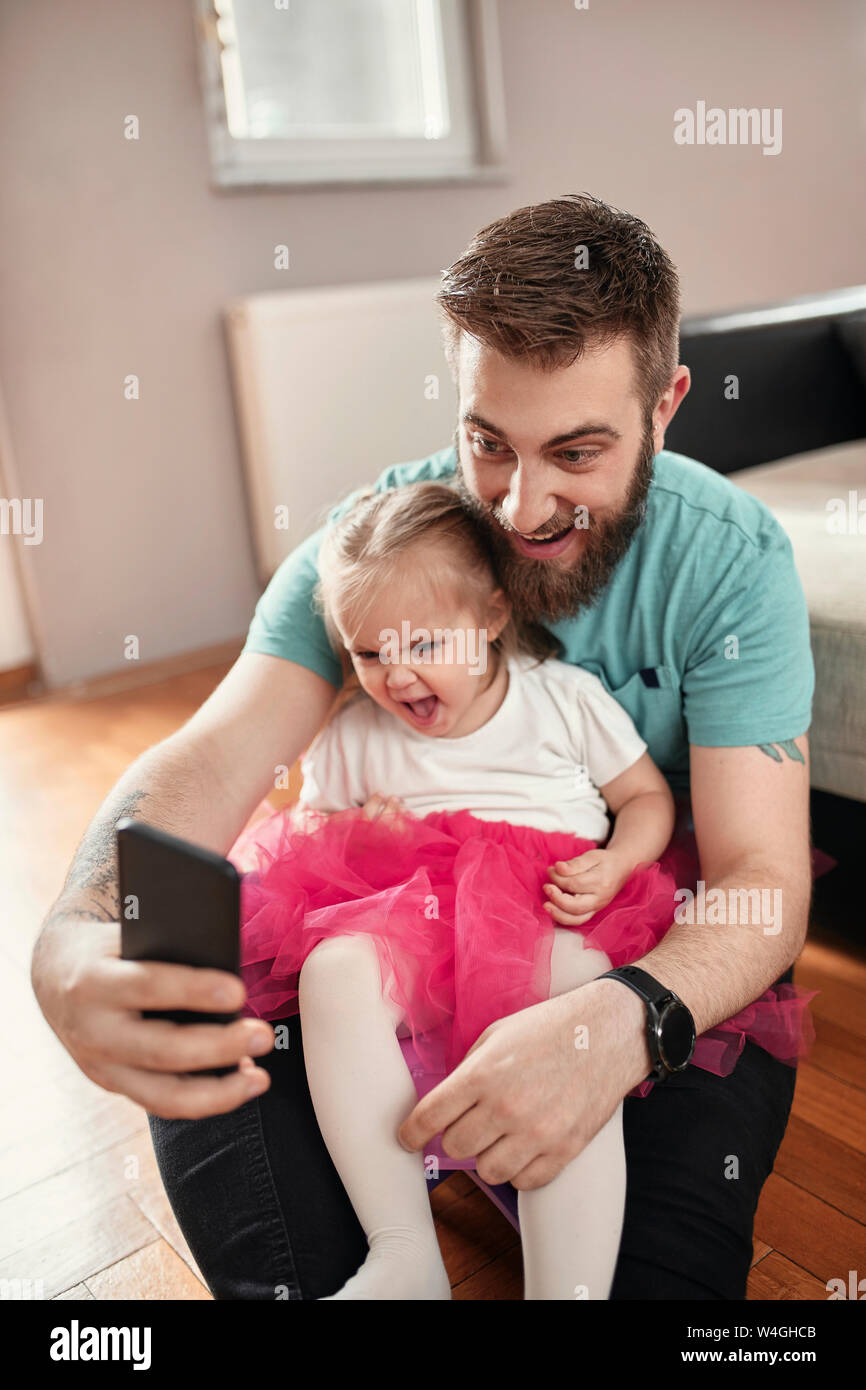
(454, 906)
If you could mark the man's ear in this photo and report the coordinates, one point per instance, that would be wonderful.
(669, 404)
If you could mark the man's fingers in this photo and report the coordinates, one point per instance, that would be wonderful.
(538, 1173)
(508, 1155)
(472, 1133)
(441, 1107)
(138, 984)
(159, 1046)
(184, 1097)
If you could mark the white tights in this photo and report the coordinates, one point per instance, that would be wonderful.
(362, 1091)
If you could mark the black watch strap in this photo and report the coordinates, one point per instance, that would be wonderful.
(644, 984)
(660, 1002)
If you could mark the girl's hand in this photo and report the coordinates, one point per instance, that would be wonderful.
(378, 808)
(580, 886)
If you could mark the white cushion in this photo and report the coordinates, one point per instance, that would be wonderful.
(810, 495)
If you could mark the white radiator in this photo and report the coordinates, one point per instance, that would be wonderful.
(332, 386)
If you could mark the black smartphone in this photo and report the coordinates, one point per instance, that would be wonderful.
(178, 903)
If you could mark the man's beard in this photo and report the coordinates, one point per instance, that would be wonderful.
(545, 591)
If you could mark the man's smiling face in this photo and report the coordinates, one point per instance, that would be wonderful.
(541, 451)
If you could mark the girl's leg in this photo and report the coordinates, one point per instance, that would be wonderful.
(362, 1091)
(570, 1229)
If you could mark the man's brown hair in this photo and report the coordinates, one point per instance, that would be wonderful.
(518, 288)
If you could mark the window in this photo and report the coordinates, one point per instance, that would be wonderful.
(333, 91)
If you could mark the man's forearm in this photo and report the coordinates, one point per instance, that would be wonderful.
(168, 786)
(715, 969)
(733, 941)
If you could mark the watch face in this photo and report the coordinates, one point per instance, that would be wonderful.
(676, 1035)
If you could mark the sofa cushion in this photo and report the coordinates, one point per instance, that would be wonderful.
(852, 330)
(820, 500)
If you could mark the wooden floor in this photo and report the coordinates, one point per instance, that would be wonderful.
(82, 1211)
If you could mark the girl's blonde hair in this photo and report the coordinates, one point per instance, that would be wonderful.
(368, 549)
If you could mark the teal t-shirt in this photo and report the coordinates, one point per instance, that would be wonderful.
(702, 633)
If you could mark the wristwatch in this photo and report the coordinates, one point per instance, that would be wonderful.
(670, 1028)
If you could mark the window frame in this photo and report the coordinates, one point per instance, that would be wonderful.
(475, 153)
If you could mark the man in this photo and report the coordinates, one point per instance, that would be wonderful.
(675, 588)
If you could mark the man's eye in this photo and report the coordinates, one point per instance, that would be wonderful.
(577, 455)
(489, 446)
(492, 447)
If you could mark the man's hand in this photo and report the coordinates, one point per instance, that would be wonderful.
(579, 887)
(93, 1001)
(537, 1085)
(202, 783)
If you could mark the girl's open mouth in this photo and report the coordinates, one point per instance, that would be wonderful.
(423, 711)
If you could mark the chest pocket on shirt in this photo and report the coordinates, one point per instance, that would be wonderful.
(653, 699)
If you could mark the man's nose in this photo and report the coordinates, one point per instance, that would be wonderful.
(529, 504)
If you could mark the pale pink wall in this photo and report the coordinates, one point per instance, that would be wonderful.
(117, 257)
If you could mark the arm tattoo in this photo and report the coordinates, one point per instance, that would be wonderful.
(87, 914)
(94, 866)
(789, 746)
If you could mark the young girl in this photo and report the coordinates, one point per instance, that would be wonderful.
(444, 869)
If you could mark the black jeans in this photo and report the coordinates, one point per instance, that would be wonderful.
(266, 1216)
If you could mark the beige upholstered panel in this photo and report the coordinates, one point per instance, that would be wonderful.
(333, 385)
(820, 499)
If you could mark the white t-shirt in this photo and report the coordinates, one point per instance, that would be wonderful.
(557, 736)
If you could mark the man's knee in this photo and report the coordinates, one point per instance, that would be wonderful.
(642, 1280)
(699, 1150)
